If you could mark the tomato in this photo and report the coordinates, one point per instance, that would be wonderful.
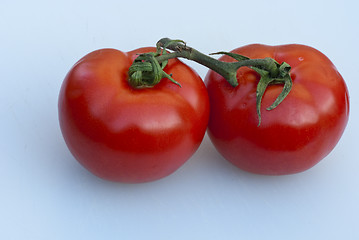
(297, 134)
(124, 134)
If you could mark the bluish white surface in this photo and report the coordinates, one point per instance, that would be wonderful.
(46, 194)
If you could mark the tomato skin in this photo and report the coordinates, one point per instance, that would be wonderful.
(297, 134)
(131, 135)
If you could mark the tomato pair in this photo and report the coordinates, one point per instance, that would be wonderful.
(127, 134)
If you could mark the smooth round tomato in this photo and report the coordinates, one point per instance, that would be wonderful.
(297, 134)
(124, 134)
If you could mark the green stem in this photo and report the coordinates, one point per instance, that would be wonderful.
(147, 69)
(227, 69)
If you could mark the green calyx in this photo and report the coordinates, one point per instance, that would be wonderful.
(146, 71)
(271, 73)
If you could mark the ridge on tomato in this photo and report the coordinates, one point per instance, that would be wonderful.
(126, 134)
(294, 136)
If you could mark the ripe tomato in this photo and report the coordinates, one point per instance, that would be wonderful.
(297, 134)
(131, 135)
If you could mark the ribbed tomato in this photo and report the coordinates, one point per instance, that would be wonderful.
(127, 134)
(297, 134)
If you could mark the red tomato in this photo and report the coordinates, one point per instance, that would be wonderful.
(297, 134)
(131, 135)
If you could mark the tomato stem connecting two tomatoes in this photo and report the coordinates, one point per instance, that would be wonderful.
(147, 69)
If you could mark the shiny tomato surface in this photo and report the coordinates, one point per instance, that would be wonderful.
(131, 135)
(297, 134)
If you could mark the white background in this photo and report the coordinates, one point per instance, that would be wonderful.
(46, 194)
